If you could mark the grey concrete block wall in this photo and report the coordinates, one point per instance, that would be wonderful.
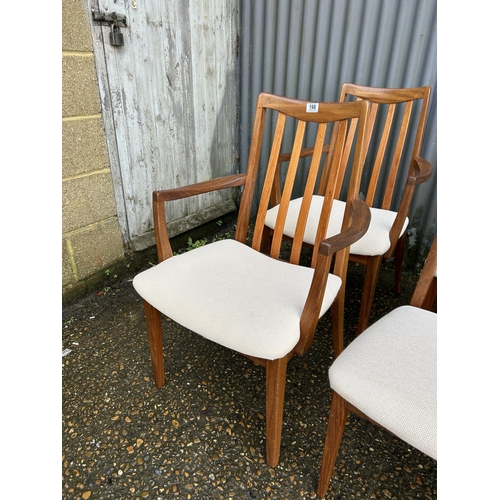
(91, 239)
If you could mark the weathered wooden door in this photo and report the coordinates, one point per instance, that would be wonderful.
(169, 106)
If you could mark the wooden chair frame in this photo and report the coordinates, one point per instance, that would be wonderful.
(422, 297)
(355, 225)
(419, 170)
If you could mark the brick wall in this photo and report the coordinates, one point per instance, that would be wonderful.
(91, 238)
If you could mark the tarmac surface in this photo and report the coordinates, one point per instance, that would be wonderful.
(202, 435)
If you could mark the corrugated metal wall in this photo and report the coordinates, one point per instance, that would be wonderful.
(307, 49)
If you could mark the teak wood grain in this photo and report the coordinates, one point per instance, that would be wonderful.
(356, 221)
(382, 172)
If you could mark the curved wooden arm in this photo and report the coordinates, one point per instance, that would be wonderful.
(421, 171)
(227, 181)
(360, 220)
(163, 247)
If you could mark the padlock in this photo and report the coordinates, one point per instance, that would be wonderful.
(116, 36)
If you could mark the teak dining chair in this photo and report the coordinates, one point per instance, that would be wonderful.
(388, 376)
(230, 293)
(387, 132)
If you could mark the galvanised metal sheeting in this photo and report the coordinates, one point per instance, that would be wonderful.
(307, 49)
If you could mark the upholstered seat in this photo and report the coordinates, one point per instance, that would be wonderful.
(390, 373)
(376, 240)
(232, 295)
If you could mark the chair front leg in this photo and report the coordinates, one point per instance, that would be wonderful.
(153, 322)
(275, 399)
(369, 286)
(334, 432)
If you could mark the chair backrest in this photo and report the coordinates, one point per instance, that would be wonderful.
(387, 133)
(304, 119)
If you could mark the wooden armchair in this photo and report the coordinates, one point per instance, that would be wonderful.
(259, 305)
(388, 376)
(390, 118)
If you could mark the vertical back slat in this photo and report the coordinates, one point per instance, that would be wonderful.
(325, 174)
(369, 129)
(308, 194)
(276, 189)
(287, 189)
(268, 182)
(346, 152)
(345, 159)
(349, 142)
(336, 176)
(391, 181)
(374, 178)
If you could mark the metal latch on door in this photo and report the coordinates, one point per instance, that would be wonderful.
(116, 21)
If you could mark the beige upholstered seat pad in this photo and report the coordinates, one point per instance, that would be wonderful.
(374, 242)
(389, 373)
(235, 296)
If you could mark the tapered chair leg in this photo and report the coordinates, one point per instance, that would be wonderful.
(153, 322)
(275, 399)
(334, 432)
(398, 263)
(369, 286)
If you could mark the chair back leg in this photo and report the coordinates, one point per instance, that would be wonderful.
(334, 432)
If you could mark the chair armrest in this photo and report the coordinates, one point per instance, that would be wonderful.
(163, 246)
(421, 171)
(227, 181)
(360, 220)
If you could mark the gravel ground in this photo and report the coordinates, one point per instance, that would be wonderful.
(201, 436)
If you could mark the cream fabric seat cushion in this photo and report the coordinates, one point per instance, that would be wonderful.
(389, 373)
(374, 242)
(235, 296)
